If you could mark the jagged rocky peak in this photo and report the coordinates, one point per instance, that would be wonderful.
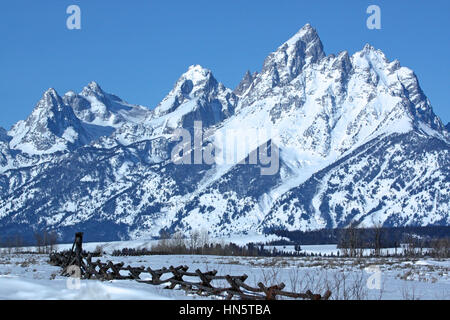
(245, 83)
(287, 62)
(82, 103)
(91, 89)
(95, 106)
(50, 99)
(52, 126)
(373, 61)
(343, 62)
(389, 78)
(196, 83)
(448, 127)
(50, 106)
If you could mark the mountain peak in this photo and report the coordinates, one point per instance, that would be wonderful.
(194, 81)
(94, 85)
(372, 53)
(50, 101)
(307, 33)
(287, 62)
(92, 88)
(245, 83)
(51, 127)
(51, 92)
(199, 87)
(196, 73)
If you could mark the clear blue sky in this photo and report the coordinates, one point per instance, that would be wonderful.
(138, 49)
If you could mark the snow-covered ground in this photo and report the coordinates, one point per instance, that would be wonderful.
(29, 276)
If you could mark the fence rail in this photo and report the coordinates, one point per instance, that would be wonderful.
(237, 287)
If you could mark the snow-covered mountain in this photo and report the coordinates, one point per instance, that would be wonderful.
(357, 139)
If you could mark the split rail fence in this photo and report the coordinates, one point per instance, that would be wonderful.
(237, 287)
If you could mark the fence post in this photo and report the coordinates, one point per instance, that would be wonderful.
(78, 247)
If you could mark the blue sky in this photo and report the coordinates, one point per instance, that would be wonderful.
(138, 49)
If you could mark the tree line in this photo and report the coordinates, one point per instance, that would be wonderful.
(432, 240)
(44, 242)
(198, 243)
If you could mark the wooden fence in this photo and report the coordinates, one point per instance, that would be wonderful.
(236, 286)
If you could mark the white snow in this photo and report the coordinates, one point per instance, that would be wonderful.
(29, 276)
(13, 288)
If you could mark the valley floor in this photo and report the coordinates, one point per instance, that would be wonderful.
(29, 276)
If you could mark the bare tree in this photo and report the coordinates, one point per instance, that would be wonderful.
(411, 244)
(350, 241)
(52, 240)
(440, 248)
(177, 242)
(194, 240)
(204, 239)
(163, 243)
(39, 242)
(377, 232)
(18, 243)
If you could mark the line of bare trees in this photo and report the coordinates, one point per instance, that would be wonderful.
(12, 244)
(198, 243)
(355, 240)
(44, 241)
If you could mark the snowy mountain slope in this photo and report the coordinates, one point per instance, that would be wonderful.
(397, 180)
(358, 141)
(123, 189)
(231, 204)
